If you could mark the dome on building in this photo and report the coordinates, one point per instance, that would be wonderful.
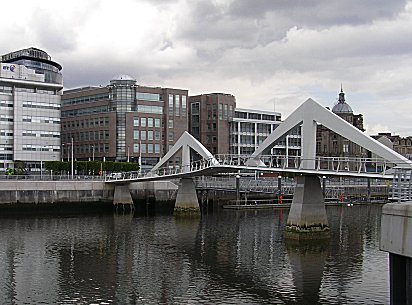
(342, 106)
(123, 77)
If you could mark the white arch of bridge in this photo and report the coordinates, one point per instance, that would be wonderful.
(308, 115)
(185, 143)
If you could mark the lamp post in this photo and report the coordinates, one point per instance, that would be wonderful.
(72, 159)
(93, 153)
(62, 152)
(41, 161)
(128, 154)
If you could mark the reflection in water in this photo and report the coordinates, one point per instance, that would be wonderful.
(228, 257)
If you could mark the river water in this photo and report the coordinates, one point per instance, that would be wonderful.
(226, 257)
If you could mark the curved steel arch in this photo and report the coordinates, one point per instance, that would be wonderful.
(308, 115)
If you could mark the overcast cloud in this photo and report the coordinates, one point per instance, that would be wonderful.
(270, 54)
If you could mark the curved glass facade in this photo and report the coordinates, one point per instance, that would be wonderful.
(51, 73)
(122, 97)
(39, 61)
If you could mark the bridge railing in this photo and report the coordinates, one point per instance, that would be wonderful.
(295, 163)
(332, 164)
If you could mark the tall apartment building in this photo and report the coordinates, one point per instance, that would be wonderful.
(123, 121)
(328, 143)
(30, 97)
(224, 129)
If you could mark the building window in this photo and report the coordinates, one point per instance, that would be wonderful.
(177, 104)
(184, 105)
(157, 123)
(143, 148)
(150, 135)
(225, 111)
(135, 134)
(143, 135)
(220, 111)
(149, 122)
(170, 104)
(143, 122)
(135, 148)
(157, 148)
(171, 136)
(170, 123)
(150, 148)
(157, 135)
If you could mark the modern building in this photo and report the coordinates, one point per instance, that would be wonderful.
(224, 129)
(123, 121)
(249, 128)
(30, 98)
(331, 144)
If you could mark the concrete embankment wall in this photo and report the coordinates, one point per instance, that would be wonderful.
(15, 193)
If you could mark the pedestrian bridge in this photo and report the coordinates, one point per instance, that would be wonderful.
(387, 165)
(308, 115)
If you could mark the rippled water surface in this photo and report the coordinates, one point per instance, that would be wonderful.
(228, 257)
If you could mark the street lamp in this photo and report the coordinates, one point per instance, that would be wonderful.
(41, 161)
(62, 152)
(128, 154)
(72, 159)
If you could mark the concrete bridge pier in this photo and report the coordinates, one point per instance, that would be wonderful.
(186, 199)
(307, 217)
(396, 238)
(122, 197)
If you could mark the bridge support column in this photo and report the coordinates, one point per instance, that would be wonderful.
(122, 196)
(307, 217)
(186, 199)
(396, 238)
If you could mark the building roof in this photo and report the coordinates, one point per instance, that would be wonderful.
(123, 77)
(342, 106)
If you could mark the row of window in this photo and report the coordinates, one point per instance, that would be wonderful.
(146, 122)
(84, 111)
(87, 136)
(146, 135)
(38, 119)
(33, 147)
(87, 123)
(41, 134)
(146, 148)
(86, 99)
(6, 118)
(6, 133)
(40, 105)
(177, 105)
(7, 104)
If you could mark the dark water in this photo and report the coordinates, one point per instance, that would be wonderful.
(229, 257)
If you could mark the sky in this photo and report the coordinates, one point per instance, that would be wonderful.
(270, 54)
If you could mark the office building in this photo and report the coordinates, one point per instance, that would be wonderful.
(123, 121)
(210, 117)
(224, 129)
(30, 98)
(249, 128)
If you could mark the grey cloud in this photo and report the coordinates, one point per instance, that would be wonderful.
(316, 12)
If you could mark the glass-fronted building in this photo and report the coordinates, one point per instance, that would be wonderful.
(30, 98)
(249, 128)
(123, 121)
